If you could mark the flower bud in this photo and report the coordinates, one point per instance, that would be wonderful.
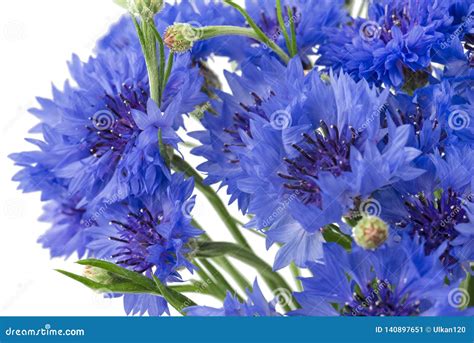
(146, 9)
(370, 232)
(98, 275)
(180, 37)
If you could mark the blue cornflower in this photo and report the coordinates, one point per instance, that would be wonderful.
(68, 221)
(150, 234)
(312, 153)
(255, 306)
(440, 115)
(106, 128)
(391, 281)
(222, 131)
(437, 208)
(392, 45)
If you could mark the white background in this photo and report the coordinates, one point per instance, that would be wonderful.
(36, 40)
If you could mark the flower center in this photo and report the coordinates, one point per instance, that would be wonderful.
(328, 150)
(435, 221)
(379, 300)
(137, 233)
(399, 17)
(112, 129)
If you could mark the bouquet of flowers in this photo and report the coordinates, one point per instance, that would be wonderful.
(343, 134)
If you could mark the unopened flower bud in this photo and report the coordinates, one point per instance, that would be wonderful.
(370, 232)
(98, 275)
(180, 37)
(145, 9)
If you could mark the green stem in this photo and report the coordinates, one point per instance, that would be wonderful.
(273, 279)
(180, 165)
(221, 282)
(161, 69)
(281, 22)
(263, 37)
(208, 32)
(150, 53)
(294, 49)
(211, 282)
(296, 274)
(193, 288)
(169, 66)
(225, 264)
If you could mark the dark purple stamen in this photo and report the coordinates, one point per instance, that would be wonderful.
(112, 128)
(378, 299)
(137, 233)
(327, 149)
(435, 221)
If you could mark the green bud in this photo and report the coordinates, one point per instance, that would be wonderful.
(370, 232)
(146, 9)
(99, 275)
(180, 37)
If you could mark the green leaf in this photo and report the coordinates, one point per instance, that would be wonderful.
(175, 299)
(117, 286)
